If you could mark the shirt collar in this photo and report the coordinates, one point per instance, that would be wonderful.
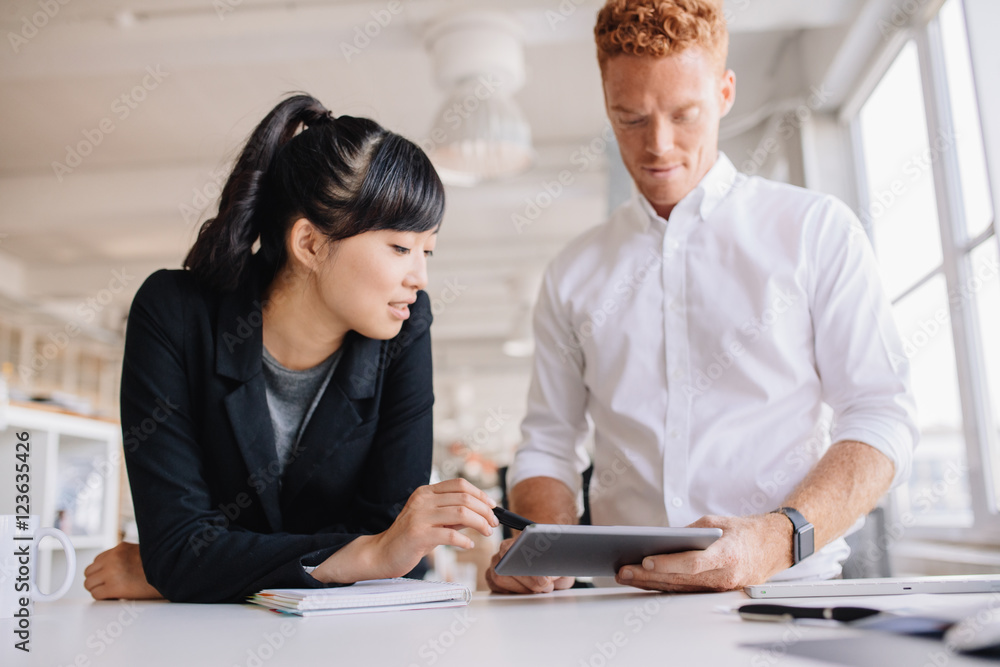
(712, 189)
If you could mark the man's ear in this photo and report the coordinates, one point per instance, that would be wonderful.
(305, 244)
(727, 92)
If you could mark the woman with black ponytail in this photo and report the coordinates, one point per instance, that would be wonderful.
(276, 396)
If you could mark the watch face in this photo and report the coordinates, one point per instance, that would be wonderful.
(804, 542)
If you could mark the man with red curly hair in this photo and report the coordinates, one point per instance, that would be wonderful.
(708, 330)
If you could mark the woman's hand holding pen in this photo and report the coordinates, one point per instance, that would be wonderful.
(433, 515)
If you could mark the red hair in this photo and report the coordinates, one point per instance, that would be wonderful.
(660, 28)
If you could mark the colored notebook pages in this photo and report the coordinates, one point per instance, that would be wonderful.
(364, 596)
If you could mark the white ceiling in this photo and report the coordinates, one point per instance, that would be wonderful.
(128, 204)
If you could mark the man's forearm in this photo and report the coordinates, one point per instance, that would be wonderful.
(846, 483)
(544, 500)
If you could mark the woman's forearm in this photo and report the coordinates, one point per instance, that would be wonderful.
(357, 561)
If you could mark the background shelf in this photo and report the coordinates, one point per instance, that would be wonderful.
(75, 473)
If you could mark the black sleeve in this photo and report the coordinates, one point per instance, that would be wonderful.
(190, 552)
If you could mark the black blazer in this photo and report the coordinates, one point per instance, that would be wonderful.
(215, 522)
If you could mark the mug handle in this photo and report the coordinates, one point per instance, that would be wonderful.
(70, 564)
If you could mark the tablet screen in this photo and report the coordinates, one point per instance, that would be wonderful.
(594, 551)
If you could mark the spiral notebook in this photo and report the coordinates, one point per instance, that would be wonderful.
(364, 596)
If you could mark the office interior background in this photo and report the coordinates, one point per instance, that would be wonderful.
(121, 119)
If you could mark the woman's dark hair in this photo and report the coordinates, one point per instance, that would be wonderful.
(345, 175)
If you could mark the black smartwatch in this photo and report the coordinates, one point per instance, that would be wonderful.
(803, 543)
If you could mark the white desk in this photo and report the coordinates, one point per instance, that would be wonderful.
(566, 628)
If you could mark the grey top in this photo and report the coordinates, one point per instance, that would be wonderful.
(292, 397)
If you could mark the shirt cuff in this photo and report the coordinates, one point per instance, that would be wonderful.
(529, 464)
(894, 441)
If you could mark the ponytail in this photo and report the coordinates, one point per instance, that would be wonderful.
(220, 257)
(345, 175)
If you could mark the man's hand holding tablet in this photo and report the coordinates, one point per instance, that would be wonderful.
(547, 501)
(546, 557)
(742, 556)
(522, 584)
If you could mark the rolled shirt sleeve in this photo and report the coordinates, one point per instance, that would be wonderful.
(864, 370)
(555, 425)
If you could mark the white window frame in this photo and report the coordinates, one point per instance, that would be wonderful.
(979, 428)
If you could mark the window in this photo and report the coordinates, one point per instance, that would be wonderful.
(986, 286)
(930, 217)
(902, 211)
(965, 118)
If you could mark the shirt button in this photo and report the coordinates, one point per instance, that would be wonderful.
(674, 434)
(676, 502)
(676, 306)
(678, 374)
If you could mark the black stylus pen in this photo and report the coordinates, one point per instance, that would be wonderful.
(780, 612)
(511, 520)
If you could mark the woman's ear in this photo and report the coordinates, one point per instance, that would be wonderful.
(305, 244)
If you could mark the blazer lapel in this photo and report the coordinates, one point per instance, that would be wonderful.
(336, 414)
(251, 422)
(239, 347)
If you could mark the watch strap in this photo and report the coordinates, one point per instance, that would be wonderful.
(803, 542)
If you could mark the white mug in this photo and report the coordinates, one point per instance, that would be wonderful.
(19, 538)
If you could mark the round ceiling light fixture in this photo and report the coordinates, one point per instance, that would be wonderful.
(479, 134)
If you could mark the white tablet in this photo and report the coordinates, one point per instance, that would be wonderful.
(595, 551)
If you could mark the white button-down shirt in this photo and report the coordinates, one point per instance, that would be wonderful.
(709, 350)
